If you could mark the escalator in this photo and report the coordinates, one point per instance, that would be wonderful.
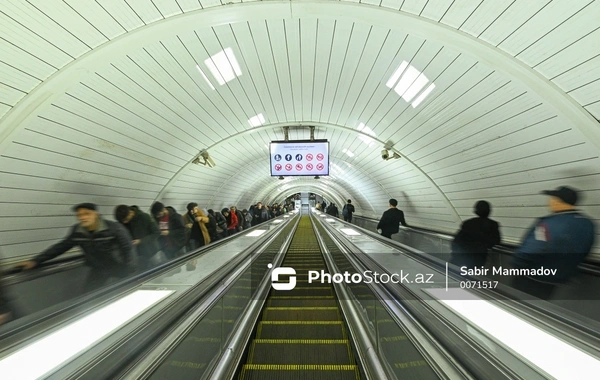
(301, 333)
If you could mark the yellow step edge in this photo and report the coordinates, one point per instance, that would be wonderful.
(303, 308)
(301, 367)
(319, 287)
(301, 297)
(301, 341)
(301, 322)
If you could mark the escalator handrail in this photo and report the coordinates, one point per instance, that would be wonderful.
(589, 264)
(371, 361)
(547, 310)
(31, 325)
(119, 353)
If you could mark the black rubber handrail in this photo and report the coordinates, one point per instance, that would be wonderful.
(588, 265)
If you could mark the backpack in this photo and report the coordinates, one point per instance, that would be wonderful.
(345, 210)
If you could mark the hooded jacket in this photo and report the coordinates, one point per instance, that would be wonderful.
(108, 248)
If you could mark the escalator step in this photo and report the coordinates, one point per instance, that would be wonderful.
(301, 314)
(305, 330)
(280, 351)
(308, 302)
(298, 372)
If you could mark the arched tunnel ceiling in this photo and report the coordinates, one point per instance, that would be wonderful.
(102, 101)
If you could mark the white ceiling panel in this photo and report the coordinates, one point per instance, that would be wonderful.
(123, 14)
(414, 6)
(460, 11)
(484, 15)
(580, 25)
(512, 19)
(187, 5)
(594, 109)
(127, 131)
(542, 23)
(435, 10)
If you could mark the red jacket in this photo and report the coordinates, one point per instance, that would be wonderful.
(233, 221)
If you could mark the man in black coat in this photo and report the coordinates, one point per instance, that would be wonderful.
(391, 220)
(347, 211)
(260, 214)
(172, 230)
(143, 231)
(106, 246)
(476, 236)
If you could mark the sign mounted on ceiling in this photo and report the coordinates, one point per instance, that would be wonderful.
(299, 158)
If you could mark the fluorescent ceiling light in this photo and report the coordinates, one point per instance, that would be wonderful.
(347, 164)
(348, 152)
(256, 233)
(322, 215)
(286, 216)
(39, 358)
(330, 220)
(277, 221)
(557, 358)
(205, 78)
(415, 88)
(363, 128)
(350, 231)
(412, 81)
(223, 66)
(407, 80)
(390, 83)
(257, 120)
(423, 95)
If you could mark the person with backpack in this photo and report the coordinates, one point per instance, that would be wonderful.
(347, 211)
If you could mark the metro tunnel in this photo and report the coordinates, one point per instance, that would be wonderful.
(427, 174)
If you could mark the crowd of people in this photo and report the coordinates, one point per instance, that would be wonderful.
(560, 240)
(138, 241)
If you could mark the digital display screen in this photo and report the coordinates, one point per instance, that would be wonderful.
(299, 158)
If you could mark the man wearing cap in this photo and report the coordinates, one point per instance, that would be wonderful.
(391, 220)
(558, 241)
(106, 246)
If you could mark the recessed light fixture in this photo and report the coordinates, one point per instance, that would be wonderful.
(410, 82)
(348, 152)
(205, 78)
(256, 233)
(366, 139)
(256, 120)
(223, 66)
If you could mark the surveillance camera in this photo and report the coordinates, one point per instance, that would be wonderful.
(209, 162)
(385, 154)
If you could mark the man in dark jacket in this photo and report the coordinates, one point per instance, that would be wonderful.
(172, 230)
(333, 210)
(477, 235)
(559, 241)
(211, 226)
(260, 214)
(347, 211)
(143, 231)
(106, 246)
(391, 220)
